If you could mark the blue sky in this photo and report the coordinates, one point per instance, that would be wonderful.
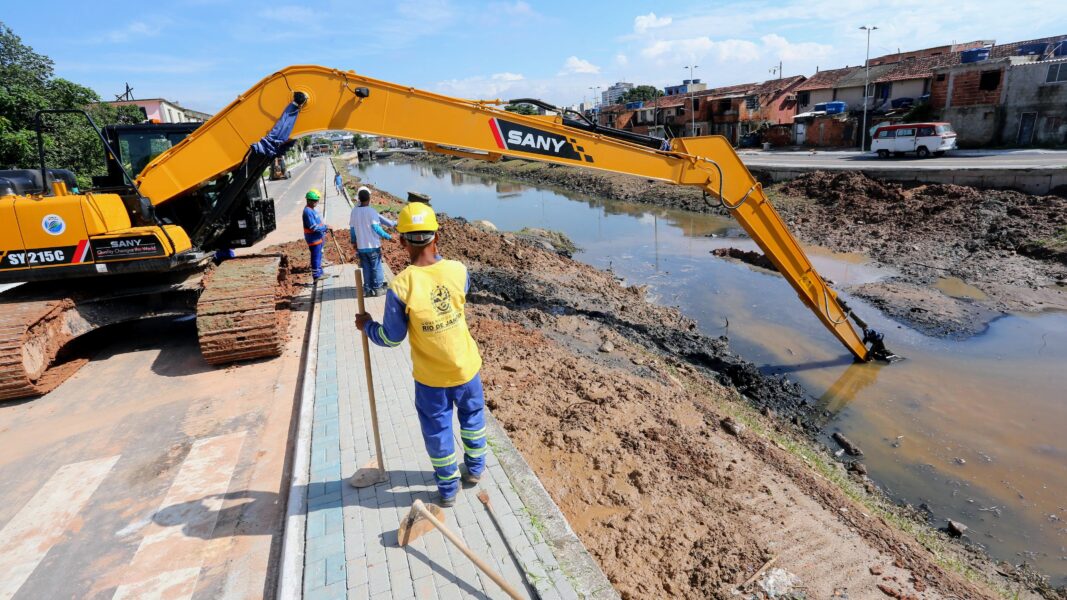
(202, 53)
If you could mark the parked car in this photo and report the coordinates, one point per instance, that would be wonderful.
(923, 139)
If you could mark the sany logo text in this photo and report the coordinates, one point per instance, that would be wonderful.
(540, 142)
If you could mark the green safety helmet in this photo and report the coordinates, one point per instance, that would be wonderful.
(313, 195)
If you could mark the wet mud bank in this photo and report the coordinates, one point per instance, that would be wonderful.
(682, 468)
(965, 256)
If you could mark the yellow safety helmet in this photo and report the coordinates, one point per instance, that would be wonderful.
(416, 216)
(313, 194)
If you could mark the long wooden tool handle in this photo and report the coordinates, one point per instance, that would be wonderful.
(478, 562)
(370, 377)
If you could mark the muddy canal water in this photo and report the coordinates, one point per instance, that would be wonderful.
(974, 430)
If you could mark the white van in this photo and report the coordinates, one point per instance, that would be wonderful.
(923, 139)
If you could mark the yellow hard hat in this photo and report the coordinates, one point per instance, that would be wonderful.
(313, 194)
(416, 216)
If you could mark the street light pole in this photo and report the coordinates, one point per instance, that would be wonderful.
(866, 85)
(693, 121)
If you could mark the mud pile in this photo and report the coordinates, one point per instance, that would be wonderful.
(299, 257)
(1009, 245)
(944, 223)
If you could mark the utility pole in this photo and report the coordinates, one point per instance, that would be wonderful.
(866, 85)
(693, 121)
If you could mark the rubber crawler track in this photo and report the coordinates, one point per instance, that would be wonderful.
(26, 367)
(240, 314)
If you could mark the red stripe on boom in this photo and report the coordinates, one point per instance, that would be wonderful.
(80, 251)
(496, 133)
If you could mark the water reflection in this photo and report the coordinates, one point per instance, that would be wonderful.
(995, 402)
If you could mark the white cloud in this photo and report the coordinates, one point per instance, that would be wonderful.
(699, 48)
(134, 30)
(643, 23)
(783, 49)
(505, 76)
(574, 65)
(621, 59)
(480, 86)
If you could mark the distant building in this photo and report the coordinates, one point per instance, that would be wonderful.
(929, 52)
(688, 85)
(1013, 94)
(164, 111)
(614, 92)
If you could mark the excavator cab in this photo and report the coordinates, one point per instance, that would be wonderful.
(52, 230)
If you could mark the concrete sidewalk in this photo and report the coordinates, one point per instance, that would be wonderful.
(351, 548)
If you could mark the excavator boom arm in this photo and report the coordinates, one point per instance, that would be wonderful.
(343, 100)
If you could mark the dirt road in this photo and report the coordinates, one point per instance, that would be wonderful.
(149, 470)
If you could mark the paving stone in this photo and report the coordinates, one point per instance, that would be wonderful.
(351, 532)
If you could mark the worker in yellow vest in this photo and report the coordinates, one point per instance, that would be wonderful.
(425, 303)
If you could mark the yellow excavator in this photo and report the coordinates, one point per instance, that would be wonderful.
(139, 244)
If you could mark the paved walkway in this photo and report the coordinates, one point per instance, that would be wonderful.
(351, 547)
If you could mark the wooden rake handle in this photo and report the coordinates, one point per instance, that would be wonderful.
(370, 379)
(478, 562)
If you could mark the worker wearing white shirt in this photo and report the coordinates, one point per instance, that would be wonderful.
(367, 233)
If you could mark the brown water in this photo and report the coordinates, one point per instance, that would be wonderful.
(958, 288)
(973, 429)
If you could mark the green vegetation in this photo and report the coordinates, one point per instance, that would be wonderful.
(640, 93)
(924, 111)
(28, 84)
(1057, 242)
(521, 109)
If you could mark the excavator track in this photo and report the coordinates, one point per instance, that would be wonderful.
(243, 311)
(30, 334)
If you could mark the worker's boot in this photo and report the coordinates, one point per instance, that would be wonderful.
(446, 502)
(470, 478)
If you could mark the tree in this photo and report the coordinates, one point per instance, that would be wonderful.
(27, 85)
(522, 109)
(639, 94)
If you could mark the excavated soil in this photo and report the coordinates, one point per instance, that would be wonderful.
(1009, 245)
(618, 405)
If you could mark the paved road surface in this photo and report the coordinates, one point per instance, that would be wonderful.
(969, 159)
(150, 472)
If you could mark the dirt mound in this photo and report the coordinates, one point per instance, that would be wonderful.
(299, 258)
(833, 187)
(926, 309)
(891, 218)
(1008, 244)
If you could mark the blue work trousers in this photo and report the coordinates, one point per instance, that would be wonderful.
(370, 260)
(316, 259)
(434, 405)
